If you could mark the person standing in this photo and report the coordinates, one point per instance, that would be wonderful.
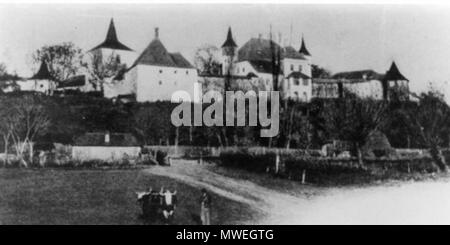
(205, 208)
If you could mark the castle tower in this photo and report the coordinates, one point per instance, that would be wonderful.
(228, 53)
(395, 85)
(111, 46)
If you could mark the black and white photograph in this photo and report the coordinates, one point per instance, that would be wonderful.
(242, 113)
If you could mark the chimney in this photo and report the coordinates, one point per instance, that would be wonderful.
(156, 33)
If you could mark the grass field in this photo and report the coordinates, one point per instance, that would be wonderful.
(98, 197)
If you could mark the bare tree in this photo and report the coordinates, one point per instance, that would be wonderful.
(102, 69)
(6, 124)
(28, 119)
(64, 60)
(353, 120)
(430, 120)
(207, 59)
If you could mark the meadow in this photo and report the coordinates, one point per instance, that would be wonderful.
(85, 197)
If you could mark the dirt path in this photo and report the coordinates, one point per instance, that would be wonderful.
(424, 202)
(277, 207)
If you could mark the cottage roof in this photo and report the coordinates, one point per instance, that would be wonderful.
(98, 139)
(75, 81)
(111, 40)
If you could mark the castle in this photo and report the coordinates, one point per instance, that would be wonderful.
(259, 64)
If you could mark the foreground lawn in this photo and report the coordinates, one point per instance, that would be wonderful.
(98, 197)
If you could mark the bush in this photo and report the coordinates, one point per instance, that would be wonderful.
(247, 161)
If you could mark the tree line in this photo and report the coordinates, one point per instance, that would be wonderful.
(30, 120)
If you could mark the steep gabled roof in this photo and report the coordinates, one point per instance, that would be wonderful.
(156, 54)
(291, 53)
(111, 40)
(180, 61)
(43, 73)
(393, 74)
(303, 49)
(258, 49)
(229, 42)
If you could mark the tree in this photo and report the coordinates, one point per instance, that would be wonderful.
(430, 120)
(206, 59)
(6, 124)
(7, 80)
(28, 119)
(320, 72)
(151, 122)
(103, 69)
(64, 60)
(352, 120)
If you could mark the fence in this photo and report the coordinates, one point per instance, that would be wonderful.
(205, 151)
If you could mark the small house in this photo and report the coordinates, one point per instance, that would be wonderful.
(106, 147)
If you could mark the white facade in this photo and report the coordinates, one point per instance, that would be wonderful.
(297, 88)
(42, 86)
(113, 88)
(155, 83)
(369, 89)
(105, 153)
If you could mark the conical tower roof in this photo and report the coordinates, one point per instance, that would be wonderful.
(111, 40)
(229, 42)
(43, 73)
(303, 49)
(393, 74)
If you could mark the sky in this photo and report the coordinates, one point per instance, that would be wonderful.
(339, 37)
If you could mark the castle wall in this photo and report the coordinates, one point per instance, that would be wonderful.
(155, 83)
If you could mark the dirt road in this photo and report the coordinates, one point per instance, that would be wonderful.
(408, 203)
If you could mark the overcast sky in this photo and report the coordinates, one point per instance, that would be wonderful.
(340, 37)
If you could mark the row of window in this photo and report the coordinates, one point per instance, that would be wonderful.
(160, 83)
(175, 72)
(299, 68)
(297, 82)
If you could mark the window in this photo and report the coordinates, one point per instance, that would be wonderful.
(296, 81)
(305, 82)
(292, 67)
(300, 68)
(305, 96)
(187, 72)
(243, 69)
(175, 71)
(160, 71)
(160, 82)
(296, 95)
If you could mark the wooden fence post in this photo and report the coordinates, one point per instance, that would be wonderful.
(304, 176)
(277, 163)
